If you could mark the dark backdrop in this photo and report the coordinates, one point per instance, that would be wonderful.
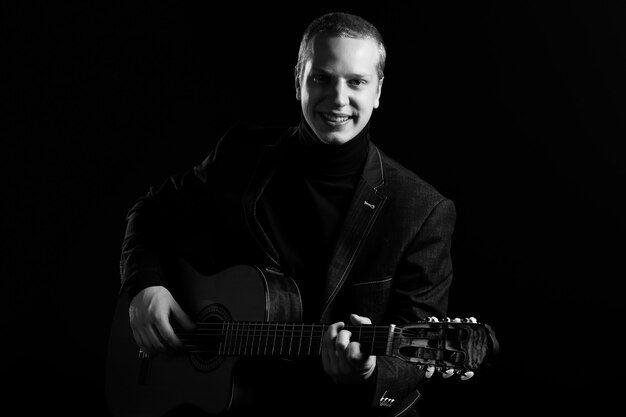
(515, 110)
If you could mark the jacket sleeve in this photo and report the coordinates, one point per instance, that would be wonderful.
(421, 289)
(165, 214)
(177, 210)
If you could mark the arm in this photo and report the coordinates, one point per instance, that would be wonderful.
(421, 290)
(176, 211)
(165, 215)
(421, 287)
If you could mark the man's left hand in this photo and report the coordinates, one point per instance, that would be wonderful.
(342, 358)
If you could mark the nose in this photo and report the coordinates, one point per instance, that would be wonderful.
(340, 94)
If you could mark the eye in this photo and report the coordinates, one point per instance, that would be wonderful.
(319, 78)
(357, 82)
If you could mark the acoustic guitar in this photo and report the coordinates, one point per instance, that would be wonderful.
(246, 311)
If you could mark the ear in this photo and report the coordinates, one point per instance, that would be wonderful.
(380, 90)
(297, 83)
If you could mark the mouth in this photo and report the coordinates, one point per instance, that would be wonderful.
(335, 119)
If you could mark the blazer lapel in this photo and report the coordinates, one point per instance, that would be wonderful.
(364, 209)
(270, 158)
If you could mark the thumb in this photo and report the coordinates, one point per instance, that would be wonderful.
(182, 317)
(356, 319)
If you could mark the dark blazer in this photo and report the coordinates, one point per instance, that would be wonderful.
(391, 262)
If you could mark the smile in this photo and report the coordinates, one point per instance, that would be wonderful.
(335, 119)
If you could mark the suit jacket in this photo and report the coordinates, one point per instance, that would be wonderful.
(391, 262)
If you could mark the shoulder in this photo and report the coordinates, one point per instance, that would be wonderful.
(407, 192)
(400, 180)
(243, 143)
(252, 135)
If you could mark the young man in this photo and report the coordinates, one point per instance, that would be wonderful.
(365, 240)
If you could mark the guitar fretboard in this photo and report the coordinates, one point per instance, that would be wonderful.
(277, 339)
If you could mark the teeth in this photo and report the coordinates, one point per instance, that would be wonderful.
(334, 118)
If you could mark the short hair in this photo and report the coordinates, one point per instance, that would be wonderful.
(344, 25)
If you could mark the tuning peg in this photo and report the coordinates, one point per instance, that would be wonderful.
(456, 320)
(447, 373)
(471, 320)
(466, 375)
(430, 370)
(447, 320)
(433, 319)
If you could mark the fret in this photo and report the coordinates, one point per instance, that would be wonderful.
(310, 340)
(319, 340)
(249, 339)
(244, 332)
(251, 332)
(220, 348)
(225, 334)
(267, 336)
(282, 340)
(293, 327)
(300, 339)
(274, 341)
(235, 338)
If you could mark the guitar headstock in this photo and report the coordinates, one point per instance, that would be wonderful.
(450, 346)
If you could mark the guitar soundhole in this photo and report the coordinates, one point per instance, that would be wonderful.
(209, 338)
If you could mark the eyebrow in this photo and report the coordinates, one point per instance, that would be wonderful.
(353, 75)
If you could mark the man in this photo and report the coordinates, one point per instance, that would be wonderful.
(365, 240)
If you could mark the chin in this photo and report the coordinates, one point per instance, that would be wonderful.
(334, 139)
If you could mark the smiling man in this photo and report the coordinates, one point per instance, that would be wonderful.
(338, 82)
(364, 240)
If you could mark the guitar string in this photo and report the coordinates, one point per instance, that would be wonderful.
(237, 339)
(244, 342)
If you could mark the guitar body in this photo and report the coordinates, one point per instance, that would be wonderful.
(151, 387)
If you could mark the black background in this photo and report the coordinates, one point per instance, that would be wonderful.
(515, 110)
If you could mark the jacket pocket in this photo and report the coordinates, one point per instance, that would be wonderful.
(368, 299)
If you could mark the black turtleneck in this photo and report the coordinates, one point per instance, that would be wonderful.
(303, 206)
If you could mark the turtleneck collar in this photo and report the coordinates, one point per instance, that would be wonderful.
(317, 158)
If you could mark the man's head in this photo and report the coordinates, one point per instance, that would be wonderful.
(339, 75)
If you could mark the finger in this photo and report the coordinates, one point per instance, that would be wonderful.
(153, 341)
(342, 340)
(182, 318)
(467, 375)
(329, 353)
(140, 341)
(165, 333)
(356, 319)
(354, 355)
(330, 336)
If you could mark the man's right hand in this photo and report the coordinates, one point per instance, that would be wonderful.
(150, 312)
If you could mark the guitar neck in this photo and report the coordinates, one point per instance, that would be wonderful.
(278, 339)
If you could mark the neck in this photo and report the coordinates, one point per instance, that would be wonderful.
(319, 158)
(278, 339)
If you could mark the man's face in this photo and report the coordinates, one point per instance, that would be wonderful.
(339, 87)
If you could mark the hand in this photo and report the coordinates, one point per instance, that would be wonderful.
(430, 370)
(343, 359)
(149, 314)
